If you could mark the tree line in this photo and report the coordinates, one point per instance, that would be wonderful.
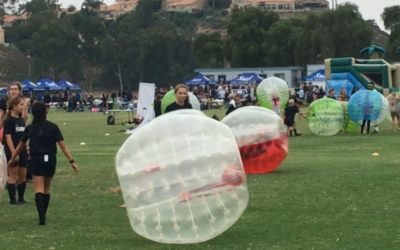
(161, 47)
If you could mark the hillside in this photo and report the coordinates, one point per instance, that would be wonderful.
(14, 64)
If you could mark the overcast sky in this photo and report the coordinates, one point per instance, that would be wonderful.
(371, 9)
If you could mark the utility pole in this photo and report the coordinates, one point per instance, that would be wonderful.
(28, 52)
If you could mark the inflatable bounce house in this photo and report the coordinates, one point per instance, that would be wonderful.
(350, 72)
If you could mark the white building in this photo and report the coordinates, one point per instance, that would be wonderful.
(312, 68)
(292, 75)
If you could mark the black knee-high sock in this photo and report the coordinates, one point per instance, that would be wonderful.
(39, 199)
(21, 191)
(46, 202)
(295, 131)
(368, 125)
(12, 189)
(291, 132)
(362, 126)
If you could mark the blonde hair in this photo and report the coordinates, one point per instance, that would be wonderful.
(232, 97)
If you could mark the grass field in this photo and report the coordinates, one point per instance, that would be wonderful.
(329, 193)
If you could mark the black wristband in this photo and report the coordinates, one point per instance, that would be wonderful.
(72, 161)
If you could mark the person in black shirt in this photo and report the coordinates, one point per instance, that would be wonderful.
(157, 105)
(43, 136)
(14, 90)
(232, 104)
(14, 127)
(182, 99)
(289, 115)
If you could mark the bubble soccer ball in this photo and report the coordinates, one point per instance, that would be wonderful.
(182, 178)
(3, 171)
(348, 125)
(169, 98)
(270, 88)
(260, 136)
(368, 105)
(325, 117)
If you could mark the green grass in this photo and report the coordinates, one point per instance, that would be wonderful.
(329, 193)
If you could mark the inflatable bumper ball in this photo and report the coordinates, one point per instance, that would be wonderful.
(182, 178)
(325, 117)
(169, 98)
(369, 106)
(260, 136)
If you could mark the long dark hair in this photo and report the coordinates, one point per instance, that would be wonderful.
(11, 103)
(39, 112)
(182, 86)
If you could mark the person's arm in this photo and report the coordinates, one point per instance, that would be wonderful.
(8, 130)
(25, 111)
(17, 151)
(59, 138)
(3, 114)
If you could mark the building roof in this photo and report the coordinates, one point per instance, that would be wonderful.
(117, 6)
(272, 1)
(182, 3)
(249, 69)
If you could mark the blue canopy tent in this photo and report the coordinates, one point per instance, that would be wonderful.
(3, 92)
(47, 84)
(200, 79)
(246, 78)
(318, 76)
(27, 85)
(66, 85)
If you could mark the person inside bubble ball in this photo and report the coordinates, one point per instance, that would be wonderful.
(371, 86)
(368, 106)
(182, 99)
(394, 110)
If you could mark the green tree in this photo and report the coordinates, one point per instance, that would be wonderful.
(373, 51)
(35, 6)
(209, 49)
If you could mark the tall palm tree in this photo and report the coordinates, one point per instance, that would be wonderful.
(373, 51)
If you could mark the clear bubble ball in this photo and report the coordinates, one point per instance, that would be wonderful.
(182, 178)
(260, 136)
(3, 171)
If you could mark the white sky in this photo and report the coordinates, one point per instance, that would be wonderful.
(371, 9)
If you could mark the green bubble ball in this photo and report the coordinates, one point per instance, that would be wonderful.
(270, 88)
(169, 98)
(325, 117)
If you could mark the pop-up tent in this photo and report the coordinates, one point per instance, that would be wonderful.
(66, 85)
(318, 76)
(47, 84)
(246, 78)
(200, 79)
(27, 85)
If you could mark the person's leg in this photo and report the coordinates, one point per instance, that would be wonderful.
(38, 183)
(21, 184)
(362, 126)
(291, 131)
(47, 183)
(295, 130)
(393, 123)
(12, 185)
(398, 120)
(368, 126)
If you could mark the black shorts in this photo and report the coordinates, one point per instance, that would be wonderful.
(289, 123)
(23, 160)
(39, 167)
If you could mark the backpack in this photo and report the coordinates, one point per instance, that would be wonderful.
(110, 120)
(309, 95)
